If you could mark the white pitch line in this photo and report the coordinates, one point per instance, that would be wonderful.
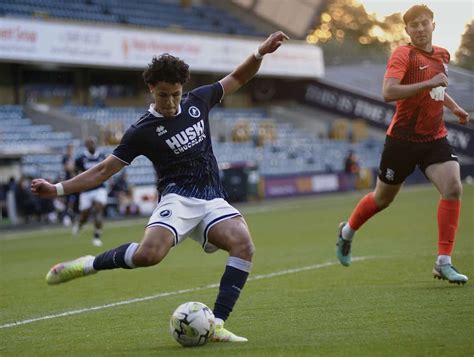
(170, 293)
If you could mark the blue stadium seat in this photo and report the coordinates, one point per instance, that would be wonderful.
(154, 13)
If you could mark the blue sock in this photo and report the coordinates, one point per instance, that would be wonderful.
(120, 257)
(232, 282)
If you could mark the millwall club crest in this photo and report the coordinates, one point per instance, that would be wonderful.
(194, 112)
(166, 213)
(160, 129)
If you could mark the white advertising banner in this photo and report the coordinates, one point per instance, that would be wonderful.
(42, 41)
(325, 183)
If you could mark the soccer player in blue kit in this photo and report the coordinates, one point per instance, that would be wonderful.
(95, 199)
(174, 135)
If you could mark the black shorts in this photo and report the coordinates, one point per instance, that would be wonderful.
(400, 158)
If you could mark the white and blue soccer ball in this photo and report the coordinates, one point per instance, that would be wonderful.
(192, 324)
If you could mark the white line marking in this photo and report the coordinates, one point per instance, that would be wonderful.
(171, 293)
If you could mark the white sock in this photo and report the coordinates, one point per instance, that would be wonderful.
(132, 248)
(240, 264)
(443, 259)
(347, 232)
(89, 266)
(219, 322)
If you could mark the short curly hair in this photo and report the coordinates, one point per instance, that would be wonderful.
(166, 68)
(415, 11)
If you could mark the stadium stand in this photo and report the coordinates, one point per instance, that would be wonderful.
(17, 133)
(289, 151)
(149, 13)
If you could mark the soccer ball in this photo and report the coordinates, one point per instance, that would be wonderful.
(192, 324)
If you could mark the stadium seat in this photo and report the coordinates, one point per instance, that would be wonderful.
(158, 13)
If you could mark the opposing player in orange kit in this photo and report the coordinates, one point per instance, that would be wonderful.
(416, 78)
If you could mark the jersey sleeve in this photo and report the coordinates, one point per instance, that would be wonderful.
(397, 64)
(444, 56)
(128, 149)
(210, 94)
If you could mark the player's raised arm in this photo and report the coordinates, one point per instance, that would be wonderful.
(245, 71)
(83, 182)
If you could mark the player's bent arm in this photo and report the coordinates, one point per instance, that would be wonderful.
(454, 107)
(449, 102)
(392, 90)
(94, 176)
(82, 182)
(241, 75)
(247, 70)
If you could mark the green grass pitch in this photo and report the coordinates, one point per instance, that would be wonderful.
(300, 302)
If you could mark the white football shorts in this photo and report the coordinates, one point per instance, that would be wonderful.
(191, 217)
(88, 198)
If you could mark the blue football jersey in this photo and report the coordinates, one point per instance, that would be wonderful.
(180, 148)
(87, 160)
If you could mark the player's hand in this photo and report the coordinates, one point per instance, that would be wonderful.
(440, 80)
(272, 43)
(43, 189)
(462, 115)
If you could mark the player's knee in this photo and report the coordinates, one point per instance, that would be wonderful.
(453, 191)
(248, 250)
(243, 248)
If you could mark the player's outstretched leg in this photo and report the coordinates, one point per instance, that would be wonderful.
(232, 282)
(343, 247)
(362, 212)
(120, 257)
(449, 272)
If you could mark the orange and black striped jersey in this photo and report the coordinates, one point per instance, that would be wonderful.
(418, 118)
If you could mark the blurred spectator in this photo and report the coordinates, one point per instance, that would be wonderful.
(26, 204)
(3, 200)
(351, 165)
(352, 168)
(29, 206)
(10, 201)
